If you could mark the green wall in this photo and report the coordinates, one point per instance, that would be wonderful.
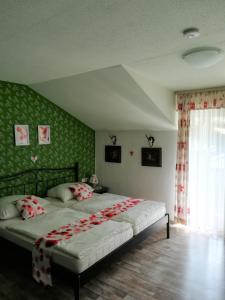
(71, 140)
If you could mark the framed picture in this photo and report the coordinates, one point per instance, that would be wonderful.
(113, 154)
(44, 134)
(151, 157)
(21, 135)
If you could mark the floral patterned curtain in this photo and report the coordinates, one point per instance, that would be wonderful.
(184, 104)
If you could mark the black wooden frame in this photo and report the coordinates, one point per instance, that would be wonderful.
(80, 278)
(154, 153)
(109, 150)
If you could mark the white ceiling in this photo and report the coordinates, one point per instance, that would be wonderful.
(110, 99)
(54, 39)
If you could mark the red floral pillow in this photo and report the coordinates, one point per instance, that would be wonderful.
(81, 191)
(84, 194)
(29, 207)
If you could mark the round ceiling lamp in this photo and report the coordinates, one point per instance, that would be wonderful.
(203, 57)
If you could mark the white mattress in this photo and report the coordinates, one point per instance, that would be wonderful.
(140, 216)
(89, 246)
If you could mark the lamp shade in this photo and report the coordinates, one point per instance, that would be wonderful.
(94, 179)
(203, 57)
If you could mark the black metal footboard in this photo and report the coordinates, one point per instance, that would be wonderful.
(83, 277)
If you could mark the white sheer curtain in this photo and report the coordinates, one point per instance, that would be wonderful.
(206, 189)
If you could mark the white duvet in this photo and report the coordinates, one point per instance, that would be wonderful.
(140, 216)
(80, 245)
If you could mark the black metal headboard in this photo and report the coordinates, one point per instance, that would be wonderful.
(37, 181)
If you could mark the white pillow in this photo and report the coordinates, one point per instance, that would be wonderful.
(61, 191)
(8, 209)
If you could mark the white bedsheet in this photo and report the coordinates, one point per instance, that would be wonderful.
(76, 254)
(140, 216)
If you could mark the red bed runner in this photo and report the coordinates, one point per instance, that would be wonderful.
(41, 254)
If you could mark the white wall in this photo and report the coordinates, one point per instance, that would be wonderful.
(162, 97)
(132, 179)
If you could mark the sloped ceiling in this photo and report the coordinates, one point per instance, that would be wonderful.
(115, 100)
(42, 41)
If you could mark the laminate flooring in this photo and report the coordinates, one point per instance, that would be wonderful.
(188, 266)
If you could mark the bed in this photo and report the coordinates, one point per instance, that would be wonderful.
(80, 252)
(108, 239)
(140, 216)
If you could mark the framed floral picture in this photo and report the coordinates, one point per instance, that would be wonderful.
(44, 134)
(21, 135)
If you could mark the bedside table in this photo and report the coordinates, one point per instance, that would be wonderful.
(99, 189)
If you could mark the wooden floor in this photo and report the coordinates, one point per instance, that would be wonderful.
(187, 267)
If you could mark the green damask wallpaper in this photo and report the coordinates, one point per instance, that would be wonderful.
(71, 140)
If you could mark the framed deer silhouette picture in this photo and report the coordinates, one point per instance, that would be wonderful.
(113, 154)
(151, 157)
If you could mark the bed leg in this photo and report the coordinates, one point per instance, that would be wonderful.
(77, 287)
(168, 226)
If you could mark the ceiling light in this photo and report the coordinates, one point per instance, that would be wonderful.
(203, 57)
(191, 33)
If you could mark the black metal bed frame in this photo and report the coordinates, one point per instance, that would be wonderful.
(35, 177)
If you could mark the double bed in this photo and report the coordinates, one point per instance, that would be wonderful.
(77, 254)
(140, 217)
(89, 251)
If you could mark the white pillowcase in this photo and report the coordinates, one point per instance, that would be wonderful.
(61, 191)
(8, 209)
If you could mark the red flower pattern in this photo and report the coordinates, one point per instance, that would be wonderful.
(41, 255)
(29, 207)
(186, 102)
(82, 191)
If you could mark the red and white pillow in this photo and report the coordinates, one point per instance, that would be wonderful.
(81, 191)
(29, 207)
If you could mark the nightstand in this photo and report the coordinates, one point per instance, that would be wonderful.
(101, 189)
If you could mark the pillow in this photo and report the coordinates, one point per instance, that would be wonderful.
(84, 194)
(29, 207)
(61, 191)
(82, 191)
(8, 209)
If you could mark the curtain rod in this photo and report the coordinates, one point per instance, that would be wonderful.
(219, 88)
